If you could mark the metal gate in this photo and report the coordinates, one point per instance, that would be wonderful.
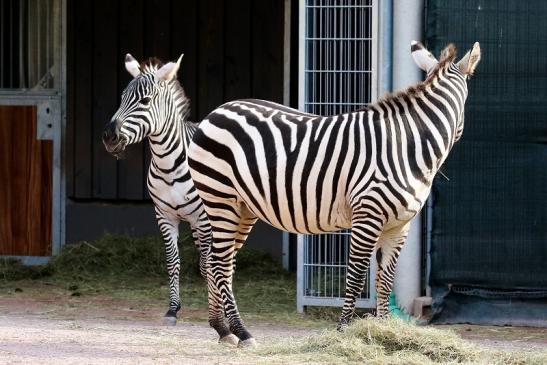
(32, 82)
(337, 72)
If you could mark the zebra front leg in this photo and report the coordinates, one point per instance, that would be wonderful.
(389, 249)
(170, 232)
(364, 235)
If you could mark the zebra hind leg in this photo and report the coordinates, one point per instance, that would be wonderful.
(216, 313)
(390, 246)
(230, 229)
(246, 223)
(169, 230)
(364, 235)
(202, 239)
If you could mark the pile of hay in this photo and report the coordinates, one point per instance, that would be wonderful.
(390, 341)
(116, 256)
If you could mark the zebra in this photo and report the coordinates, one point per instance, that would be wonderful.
(369, 171)
(154, 106)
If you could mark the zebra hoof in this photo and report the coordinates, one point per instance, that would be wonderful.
(250, 342)
(169, 321)
(342, 327)
(230, 339)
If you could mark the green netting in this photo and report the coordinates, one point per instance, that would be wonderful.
(490, 219)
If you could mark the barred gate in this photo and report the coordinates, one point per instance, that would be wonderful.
(337, 72)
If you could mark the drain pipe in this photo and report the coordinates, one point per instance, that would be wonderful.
(407, 26)
(385, 86)
(385, 46)
(429, 237)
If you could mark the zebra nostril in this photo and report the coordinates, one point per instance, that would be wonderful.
(111, 133)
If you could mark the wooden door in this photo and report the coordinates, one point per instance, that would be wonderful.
(25, 184)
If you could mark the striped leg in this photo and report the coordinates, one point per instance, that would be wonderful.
(216, 311)
(390, 246)
(365, 232)
(230, 230)
(170, 231)
(201, 232)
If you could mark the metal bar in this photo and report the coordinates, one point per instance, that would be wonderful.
(48, 46)
(300, 277)
(302, 25)
(37, 46)
(2, 44)
(22, 83)
(320, 111)
(338, 6)
(10, 44)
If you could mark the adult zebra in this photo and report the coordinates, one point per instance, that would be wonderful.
(369, 170)
(154, 106)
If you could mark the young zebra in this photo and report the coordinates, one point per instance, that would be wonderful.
(369, 170)
(154, 105)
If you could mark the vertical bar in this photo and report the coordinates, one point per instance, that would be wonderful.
(339, 262)
(313, 75)
(2, 44)
(340, 59)
(312, 265)
(20, 48)
(286, 72)
(2, 25)
(325, 261)
(29, 45)
(302, 55)
(300, 274)
(38, 45)
(48, 43)
(327, 56)
(10, 33)
(320, 34)
(354, 65)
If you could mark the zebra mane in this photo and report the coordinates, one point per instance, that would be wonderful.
(152, 64)
(448, 55)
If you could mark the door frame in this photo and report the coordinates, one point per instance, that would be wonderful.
(51, 125)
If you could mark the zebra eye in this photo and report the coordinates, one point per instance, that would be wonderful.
(145, 101)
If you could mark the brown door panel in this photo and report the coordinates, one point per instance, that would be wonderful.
(25, 184)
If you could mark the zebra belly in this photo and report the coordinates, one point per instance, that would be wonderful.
(298, 221)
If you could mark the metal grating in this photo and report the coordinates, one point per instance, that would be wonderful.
(325, 265)
(27, 47)
(337, 73)
(338, 55)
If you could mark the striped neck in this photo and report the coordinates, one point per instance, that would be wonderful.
(426, 117)
(168, 147)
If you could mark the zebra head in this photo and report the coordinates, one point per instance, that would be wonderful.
(147, 103)
(452, 73)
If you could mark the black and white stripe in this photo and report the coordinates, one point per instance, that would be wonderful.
(369, 170)
(154, 106)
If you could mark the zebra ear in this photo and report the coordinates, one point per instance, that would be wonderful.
(169, 71)
(132, 65)
(471, 59)
(423, 58)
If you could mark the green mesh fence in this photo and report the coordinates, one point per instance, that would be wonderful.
(490, 219)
